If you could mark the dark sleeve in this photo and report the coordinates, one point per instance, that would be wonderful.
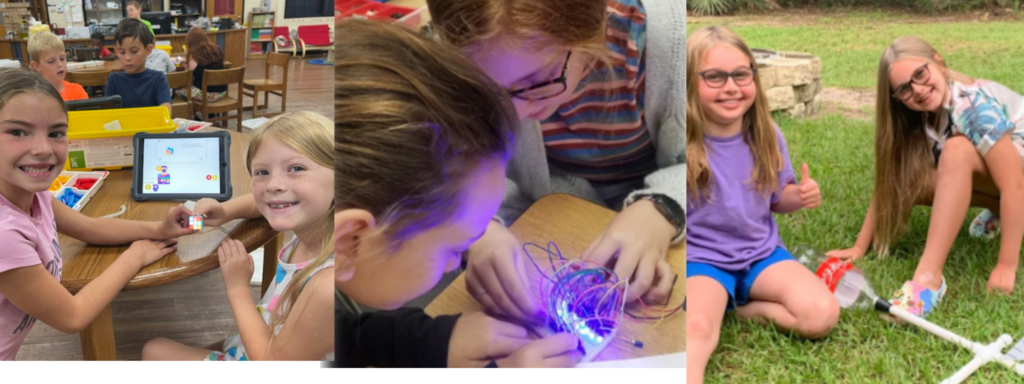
(392, 339)
(108, 88)
(161, 89)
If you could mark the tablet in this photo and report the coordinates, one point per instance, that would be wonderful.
(182, 166)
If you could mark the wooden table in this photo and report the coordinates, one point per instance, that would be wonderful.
(115, 66)
(573, 223)
(196, 253)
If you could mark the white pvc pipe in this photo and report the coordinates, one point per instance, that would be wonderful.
(983, 354)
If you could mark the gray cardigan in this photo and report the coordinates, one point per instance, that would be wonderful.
(529, 177)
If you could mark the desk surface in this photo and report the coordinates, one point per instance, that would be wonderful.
(196, 253)
(572, 224)
(115, 66)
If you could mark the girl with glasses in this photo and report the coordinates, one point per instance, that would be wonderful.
(946, 140)
(598, 87)
(738, 174)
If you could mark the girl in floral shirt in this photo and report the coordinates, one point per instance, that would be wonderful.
(950, 141)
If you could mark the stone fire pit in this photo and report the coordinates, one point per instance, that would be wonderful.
(792, 81)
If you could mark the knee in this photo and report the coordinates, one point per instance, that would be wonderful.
(702, 329)
(956, 155)
(818, 317)
(152, 349)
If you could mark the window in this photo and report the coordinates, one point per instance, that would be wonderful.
(294, 9)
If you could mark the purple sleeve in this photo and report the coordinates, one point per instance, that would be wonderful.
(786, 176)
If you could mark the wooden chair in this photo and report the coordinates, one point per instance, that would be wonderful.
(181, 108)
(95, 79)
(268, 86)
(213, 77)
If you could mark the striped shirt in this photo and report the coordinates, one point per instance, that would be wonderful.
(600, 134)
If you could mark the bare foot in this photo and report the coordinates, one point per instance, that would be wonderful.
(1002, 278)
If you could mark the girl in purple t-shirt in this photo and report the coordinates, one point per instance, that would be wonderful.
(738, 175)
(33, 148)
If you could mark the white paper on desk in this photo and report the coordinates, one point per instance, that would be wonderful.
(77, 18)
(674, 360)
(112, 126)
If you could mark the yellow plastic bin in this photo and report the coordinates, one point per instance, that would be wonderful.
(94, 142)
(165, 48)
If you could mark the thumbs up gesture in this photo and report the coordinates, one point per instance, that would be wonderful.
(810, 194)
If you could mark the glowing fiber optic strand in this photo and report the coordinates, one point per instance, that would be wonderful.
(582, 298)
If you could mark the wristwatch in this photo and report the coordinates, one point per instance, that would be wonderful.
(670, 209)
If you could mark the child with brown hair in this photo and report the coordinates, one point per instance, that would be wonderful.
(950, 141)
(202, 55)
(51, 61)
(597, 85)
(33, 148)
(422, 141)
(138, 86)
(738, 175)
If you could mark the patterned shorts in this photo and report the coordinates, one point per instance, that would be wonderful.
(197, 94)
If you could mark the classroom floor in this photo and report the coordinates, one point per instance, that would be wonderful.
(310, 88)
(193, 311)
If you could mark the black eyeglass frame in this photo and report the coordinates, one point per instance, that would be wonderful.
(558, 80)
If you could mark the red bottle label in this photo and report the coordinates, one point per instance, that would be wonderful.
(831, 271)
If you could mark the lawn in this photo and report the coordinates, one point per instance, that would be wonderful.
(850, 46)
(839, 150)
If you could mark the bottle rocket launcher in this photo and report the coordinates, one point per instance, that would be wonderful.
(983, 354)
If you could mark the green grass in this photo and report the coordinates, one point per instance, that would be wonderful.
(850, 46)
(839, 150)
(864, 348)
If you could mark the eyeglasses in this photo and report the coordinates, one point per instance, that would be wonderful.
(716, 78)
(920, 77)
(545, 90)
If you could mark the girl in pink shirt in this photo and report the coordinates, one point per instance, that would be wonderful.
(33, 149)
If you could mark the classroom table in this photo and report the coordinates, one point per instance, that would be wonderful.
(115, 66)
(196, 253)
(573, 223)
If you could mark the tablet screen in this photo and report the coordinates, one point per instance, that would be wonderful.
(186, 165)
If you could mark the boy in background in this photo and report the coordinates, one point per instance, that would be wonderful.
(138, 86)
(51, 61)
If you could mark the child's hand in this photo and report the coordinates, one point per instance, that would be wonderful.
(810, 194)
(556, 351)
(635, 243)
(175, 224)
(477, 339)
(214, 211)
(495, 272)
(149, 251)
(236, 265)
(849, 254)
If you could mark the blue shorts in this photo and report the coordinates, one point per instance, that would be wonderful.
(738, 283)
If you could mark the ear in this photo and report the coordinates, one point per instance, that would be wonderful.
(350, 225)
(34, 65)
(938, 57)
(149, 49)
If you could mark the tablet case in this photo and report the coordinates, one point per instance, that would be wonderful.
(225, 165)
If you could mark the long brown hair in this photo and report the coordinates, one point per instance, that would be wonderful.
(902, 153)
(309, 134)
(758, 128)
(413, 117)
(201, 49)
